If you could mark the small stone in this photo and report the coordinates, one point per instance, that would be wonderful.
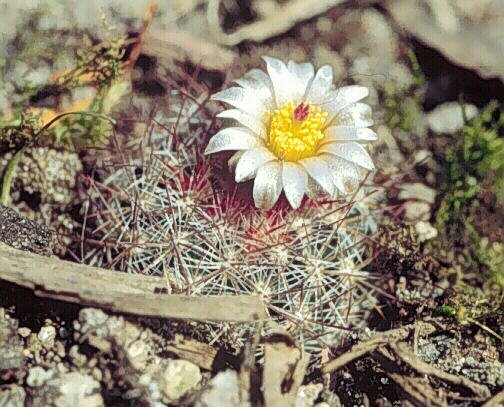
(138, 353)
(24, 332)
(37, 376)
(222, 391)
(46, 336)
(308, 394)
(77, 390)
(416, 211)
(77, 358)
(425, 231)
(178, 378)
(12, 396)
(417, 191)
(448, 118)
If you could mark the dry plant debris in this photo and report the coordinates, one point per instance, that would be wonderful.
(94, 287)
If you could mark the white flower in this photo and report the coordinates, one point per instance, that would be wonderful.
(296, 132)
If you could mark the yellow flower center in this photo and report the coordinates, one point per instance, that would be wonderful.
(295, 131)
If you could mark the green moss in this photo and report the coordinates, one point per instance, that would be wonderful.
(475, 169)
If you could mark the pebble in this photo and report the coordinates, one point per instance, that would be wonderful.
(448, 118)
(24, 332)
(178, 378)
(417, 191)
(46, 336)
(222, 391)
(37, 376)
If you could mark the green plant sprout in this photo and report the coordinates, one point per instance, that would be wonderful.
(14, 161)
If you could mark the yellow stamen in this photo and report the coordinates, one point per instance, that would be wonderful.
(294, 134)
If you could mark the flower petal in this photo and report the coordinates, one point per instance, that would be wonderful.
(314, 190)
(346, 177)
(268, 185)
(250, 161)
(253, 101)
(340, 98)
(233, 138)
(319, 171)
(348, 133)
(233, 161)
(320, 86)
(357, 114)
(353, 152)
(281, 80)
(251, 122)
(295, 182)
(301, 76)
(255, 79)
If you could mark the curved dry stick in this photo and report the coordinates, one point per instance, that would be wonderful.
(284, 18)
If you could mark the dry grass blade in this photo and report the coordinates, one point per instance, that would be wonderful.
(89, 286)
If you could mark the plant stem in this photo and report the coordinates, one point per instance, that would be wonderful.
(9, 175)
(14, 161)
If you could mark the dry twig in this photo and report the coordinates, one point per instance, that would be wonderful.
(402, 351)
(182, 46)
(280, 21)
(380, 339)
(284, 370)
(90, 286)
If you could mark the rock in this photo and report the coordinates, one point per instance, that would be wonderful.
(448, 118)
(417, 191)
(477, 31)
(24, 234)
(222, 391)
(37, 376)
(417, 211)
(70, 389)
(178, 378)
(425, 231)
(24, 332)
(46, 336)
(11, 351)
(12, 396)
(77, 358)
(137, 354)
(308, 394)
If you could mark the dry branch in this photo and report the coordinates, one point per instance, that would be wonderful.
(181, 46)
(90, 286)
(280, 21)
(380, 339)
(284, 370)
(404, 354)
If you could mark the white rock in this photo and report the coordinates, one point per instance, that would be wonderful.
(448, 117)
(178, 378)
(24, 332)
(37, 376)
(46, 336)
(425, 231)
(138, 353)
(416, 211)
(12, 396)
(417, 191)
(76, 390)
(222, 391)
(308, 394)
